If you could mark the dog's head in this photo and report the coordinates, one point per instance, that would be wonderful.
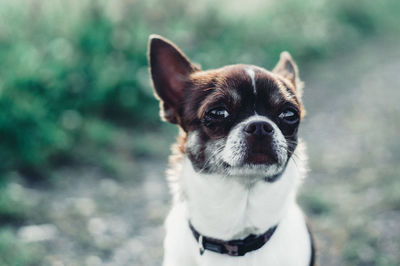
(238, 120)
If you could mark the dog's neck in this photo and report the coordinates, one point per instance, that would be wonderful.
(222, 207)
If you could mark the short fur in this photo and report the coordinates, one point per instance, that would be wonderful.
(238, 162)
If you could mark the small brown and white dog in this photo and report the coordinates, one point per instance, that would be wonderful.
(237, 164)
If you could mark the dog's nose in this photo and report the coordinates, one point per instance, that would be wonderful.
(259, 129)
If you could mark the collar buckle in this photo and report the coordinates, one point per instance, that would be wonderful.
(237, 247)
(201, 245)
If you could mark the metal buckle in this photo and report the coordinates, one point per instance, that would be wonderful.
(201, 247)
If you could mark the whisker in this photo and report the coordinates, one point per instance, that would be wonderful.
(212, 155)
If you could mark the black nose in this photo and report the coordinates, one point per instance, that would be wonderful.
(259, 129)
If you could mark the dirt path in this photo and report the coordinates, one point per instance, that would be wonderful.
(89, 218)
(352, 136)
(351, 194)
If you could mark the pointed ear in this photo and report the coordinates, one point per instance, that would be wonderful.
(170, 70)
(287, 68)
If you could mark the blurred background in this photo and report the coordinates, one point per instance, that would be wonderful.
(83, 151)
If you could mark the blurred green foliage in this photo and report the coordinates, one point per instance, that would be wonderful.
(15, 253)
(74, 73)
(12, 207)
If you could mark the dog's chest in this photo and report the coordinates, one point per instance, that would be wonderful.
(290, 245)
(228, 210)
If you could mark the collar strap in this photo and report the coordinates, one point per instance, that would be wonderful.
(232, 247)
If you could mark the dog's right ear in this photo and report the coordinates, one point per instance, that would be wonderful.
(170, 70)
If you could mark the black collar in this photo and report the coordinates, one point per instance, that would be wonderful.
(232, 247)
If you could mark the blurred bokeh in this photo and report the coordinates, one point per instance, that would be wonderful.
(83, 151)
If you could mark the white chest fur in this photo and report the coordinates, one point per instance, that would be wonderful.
(226, 208)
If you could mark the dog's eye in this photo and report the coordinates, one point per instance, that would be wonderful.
(289, 116)
(218, 113)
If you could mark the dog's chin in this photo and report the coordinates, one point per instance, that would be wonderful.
(256, 166)
(254, 170)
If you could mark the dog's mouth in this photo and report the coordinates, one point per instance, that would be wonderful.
(260, 158)
(256, 159)
(258, 162)
(260, 155)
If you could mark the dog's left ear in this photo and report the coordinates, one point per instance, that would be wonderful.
(287, 68)
(170, 70)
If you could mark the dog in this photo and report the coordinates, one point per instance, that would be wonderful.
(237, 164)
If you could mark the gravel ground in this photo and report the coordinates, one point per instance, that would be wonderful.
(351, 194)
